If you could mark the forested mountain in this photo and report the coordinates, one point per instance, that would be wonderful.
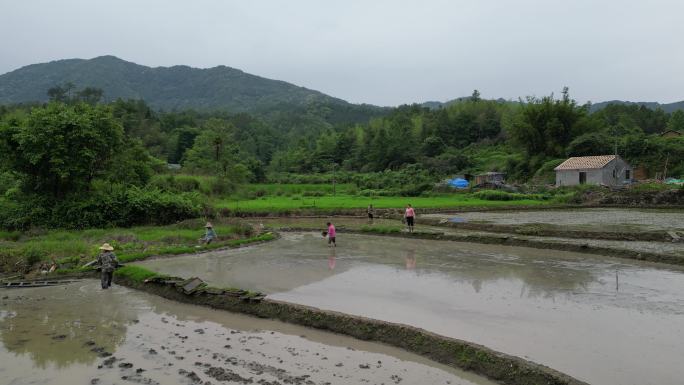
(175, 88)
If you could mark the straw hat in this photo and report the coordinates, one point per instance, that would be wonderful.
(208, 225)
(106, 247)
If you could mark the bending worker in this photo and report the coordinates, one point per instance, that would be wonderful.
(108, 261)
(209, 234)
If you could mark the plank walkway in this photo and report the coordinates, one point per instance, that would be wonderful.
(27, 284)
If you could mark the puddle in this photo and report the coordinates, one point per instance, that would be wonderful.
(79, 334)
(600, 319)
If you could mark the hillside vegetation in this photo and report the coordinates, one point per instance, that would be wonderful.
(169, 88)
(82, 161)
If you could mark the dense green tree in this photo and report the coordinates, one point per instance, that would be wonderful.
(67, 93)
(215, 152)
(592, 143)
(676, 122)
(183, 139)
(61, 93)
(61, 148)
(633, 115)
(90, 95)
(475, 97)
(546, 126)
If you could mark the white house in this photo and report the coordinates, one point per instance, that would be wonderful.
(607, 170)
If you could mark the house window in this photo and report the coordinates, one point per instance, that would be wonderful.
(582, 177)
(614, 174)
(627, 174)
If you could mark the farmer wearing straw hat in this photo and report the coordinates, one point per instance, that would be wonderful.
(108, 261)
(209, 235)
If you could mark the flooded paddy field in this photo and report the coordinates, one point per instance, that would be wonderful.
(602, 320)
(669, 248)
(79, 334)
(593, 219)
(344, 223)
(351, 223)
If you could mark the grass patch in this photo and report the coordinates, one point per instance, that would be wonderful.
(135, 273)
(9, 235)
(498, 195)
(346, 201)
(72, 248)
(262, 190)
(177, 250)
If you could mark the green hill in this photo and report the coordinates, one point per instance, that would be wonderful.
(169, 88)
(667, 107)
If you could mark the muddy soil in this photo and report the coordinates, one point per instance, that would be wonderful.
(602, 320)
(79, 334)
(598, 219)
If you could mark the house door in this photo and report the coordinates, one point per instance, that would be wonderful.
(582, 177)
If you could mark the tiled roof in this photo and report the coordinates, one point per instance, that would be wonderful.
(585, 162)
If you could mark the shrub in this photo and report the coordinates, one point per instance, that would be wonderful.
(9, 260)
(32, 255)
(7, 182)
(173, 183)
(313, 193)
(120, 207)
(414, 190)
(498, 195)
(222, 186)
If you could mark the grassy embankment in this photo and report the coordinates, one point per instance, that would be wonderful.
(284, 197)
(72, 248)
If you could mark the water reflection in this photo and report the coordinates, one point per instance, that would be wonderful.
(49, 326)
(410, 259)
(332, 258)
(295, 261)
(570, 311)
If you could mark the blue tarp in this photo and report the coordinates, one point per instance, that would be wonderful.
(458, 183)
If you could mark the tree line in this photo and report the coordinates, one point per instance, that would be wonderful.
(73, 155)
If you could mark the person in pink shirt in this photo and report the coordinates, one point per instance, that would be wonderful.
(331, 235)
(410, 216)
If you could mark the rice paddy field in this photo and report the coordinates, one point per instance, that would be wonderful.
(281, 200)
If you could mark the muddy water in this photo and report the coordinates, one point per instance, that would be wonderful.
(603, 320)
(341, 223)
(78, 334)
(669, 248)
(582, 219)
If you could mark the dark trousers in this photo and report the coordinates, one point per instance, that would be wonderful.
(106, 279)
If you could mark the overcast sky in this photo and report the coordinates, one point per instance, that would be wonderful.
(380, 52)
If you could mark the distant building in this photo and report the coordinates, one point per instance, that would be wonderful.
(490, 178)
(671, 134)
(606, 170)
